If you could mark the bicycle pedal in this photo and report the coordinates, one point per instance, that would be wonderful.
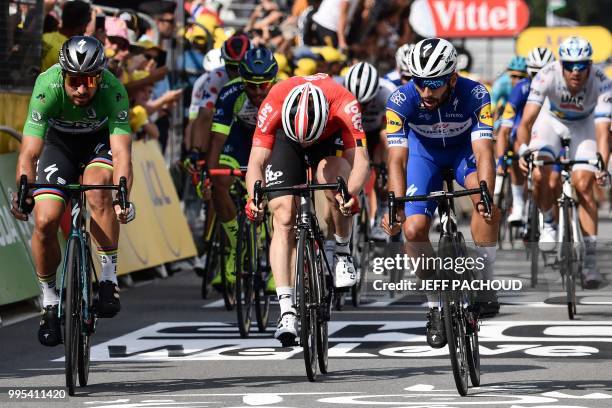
(288, 340)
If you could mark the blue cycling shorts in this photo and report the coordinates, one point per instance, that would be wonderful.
(424, 172)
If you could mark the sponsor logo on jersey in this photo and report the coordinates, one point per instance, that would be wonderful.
(272, 177)
(454, 115)
(410, 191)
(397, 97)
(355, 112)
(50, 170)
(424, 116)
(484, 116)
(263, 117)
(91, 113)
(118, 96)
(394, 122)
(122, 115)
(455, 103)
(479, 92)
(36, 116)
(569, 101)
(41, 97)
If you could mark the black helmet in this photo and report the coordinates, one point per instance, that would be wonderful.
(82, 55)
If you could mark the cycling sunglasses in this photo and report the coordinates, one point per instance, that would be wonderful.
(518, 75)
(261, 84)
(75, 81)
(430, 83)
(575, 66)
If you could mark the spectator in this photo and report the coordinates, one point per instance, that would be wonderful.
(331, 22)
(163, 12)
(139, 117)
(265, 23)
(75, 18)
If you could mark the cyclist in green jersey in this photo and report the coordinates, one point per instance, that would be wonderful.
(78, 114)
(233, 125)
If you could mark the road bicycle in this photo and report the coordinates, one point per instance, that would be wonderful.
(459, 306)
(570, 249)
(78, 314)
(313, 278)
(503, 200)
(531, 224)
(252, 264)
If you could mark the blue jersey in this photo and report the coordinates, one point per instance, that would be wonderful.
(438, 139)
(465, 117)
(513, 111)
(394, 77)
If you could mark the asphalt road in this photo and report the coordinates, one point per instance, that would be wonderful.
(170, 348)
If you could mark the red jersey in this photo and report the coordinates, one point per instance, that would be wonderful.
(344, 112)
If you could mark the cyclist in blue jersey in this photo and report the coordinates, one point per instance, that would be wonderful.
(502, 87)
(233, 125)
(401, 74)
(440, 120)
(536, 60)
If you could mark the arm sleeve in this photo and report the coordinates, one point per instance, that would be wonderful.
(223, 117)
(483, 119)
(41, 107)
(395, 115)
(603, 109)
(539, 87)
(118, 118)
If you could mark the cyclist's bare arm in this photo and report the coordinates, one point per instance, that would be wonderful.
(530, 114)
(485, 160)
(217, 140)
(360, 168)
(602, 136)
(257, 160)
(121, 146)
(501, 142)
(396, 182)
(31, 148)
(200, 130)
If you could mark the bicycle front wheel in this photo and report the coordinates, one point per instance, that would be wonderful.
(246, 266)
(262, 299)
(568, 262)
(88, 325)
(306, 304)
(471, 347)
(455, 335)
(72, 315)
(534, 249)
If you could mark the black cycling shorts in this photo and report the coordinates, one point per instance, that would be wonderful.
(289, 161)
(373, 140)
(66, 155)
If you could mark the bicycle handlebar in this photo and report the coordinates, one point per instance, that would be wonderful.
(485, 198)
(24, 187)
(340, 186)
(597, 162)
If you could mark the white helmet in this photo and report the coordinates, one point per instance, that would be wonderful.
(402, 58)
(213, 60)
(537, 58)
(432, 58)
(575, 49)
(304, 113)
(362, 81)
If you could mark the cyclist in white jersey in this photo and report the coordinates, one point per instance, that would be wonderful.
(579, 105)
(372, 93)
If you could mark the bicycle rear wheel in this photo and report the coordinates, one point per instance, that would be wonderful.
(72, 315)
(503, 204)
(534, 235)
(359, 240)
(246, 266)
(456, 337)
(262, 300)
(229, 297)
(307, 311)
(88, 326)
(473, 352)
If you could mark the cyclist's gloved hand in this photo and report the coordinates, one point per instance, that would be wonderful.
(125, 216)
(204, 190)
(524, 153)
(394, 229)
(350, 208)
(28, 206)
(603, 178)
(253, 212)
(191, 158)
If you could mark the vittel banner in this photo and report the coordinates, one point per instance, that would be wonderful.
(469, 18)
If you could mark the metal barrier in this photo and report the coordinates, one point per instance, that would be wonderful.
(11, 132)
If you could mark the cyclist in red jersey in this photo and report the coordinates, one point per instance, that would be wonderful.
(307, 122)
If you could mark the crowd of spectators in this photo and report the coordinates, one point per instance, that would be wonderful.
(141, 44)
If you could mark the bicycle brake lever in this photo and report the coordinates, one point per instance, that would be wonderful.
(257, 193)
(391, 201)
(485, 198)
(343, 189)
(122, 193)
(22, 193)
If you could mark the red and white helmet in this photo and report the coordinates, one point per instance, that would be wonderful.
(305, 112)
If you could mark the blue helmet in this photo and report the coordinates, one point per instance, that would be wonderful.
(517, 63)
(575, 49)
(258, 64)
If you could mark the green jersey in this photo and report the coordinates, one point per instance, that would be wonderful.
(50, 106)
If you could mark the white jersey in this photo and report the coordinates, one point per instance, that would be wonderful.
(594, 100)
(206, 90)
(373, 112)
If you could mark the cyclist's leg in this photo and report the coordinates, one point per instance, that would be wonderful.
(55, 166)
(583, 146)
(545, 138)
(285, 168)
